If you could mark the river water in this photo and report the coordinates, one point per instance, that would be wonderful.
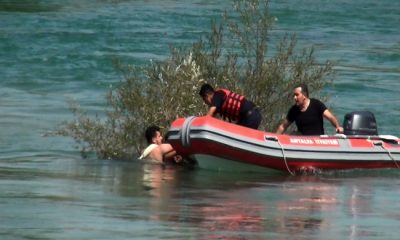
(54, 52)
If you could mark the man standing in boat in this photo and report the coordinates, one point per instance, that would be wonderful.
(231, 106)
(308, 113)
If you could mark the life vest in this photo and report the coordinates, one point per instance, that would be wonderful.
(231, 107)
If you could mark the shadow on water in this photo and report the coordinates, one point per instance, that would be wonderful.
(37, 6)
(361, 173)
(28, 6)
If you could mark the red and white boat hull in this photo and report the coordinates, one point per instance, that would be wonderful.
(220, 145)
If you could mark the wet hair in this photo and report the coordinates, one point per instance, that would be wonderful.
(206, 89)
(304, 88)
(151, 132)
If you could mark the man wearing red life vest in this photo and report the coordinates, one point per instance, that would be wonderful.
(231, 106)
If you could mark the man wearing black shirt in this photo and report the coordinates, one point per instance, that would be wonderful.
(308, 114)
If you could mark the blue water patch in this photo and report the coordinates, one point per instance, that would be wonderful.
(54, 52)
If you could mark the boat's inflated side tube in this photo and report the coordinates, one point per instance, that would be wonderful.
(185, 131)
(360, 123)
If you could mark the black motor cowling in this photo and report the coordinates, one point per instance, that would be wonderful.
(360, 123)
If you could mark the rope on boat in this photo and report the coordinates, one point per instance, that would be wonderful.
(284, 157)
(283, 153)
(185, 131)
(381, 143)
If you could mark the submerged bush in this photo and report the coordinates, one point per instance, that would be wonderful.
(234, 55)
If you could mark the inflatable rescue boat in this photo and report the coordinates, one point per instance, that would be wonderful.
(220, 145)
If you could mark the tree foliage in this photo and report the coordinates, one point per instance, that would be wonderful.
(235, 55)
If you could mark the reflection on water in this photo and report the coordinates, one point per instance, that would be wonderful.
(49, 198)
(253, 207)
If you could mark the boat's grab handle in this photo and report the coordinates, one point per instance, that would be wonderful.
(272, 138)
(185, 131)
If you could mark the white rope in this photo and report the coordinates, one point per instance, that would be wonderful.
(284, 157)
(390, 154)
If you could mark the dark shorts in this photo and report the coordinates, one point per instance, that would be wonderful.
(252, 119)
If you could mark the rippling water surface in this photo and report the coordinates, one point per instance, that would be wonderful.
(55, 51)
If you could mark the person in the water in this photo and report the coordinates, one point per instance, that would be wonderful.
(157, 150)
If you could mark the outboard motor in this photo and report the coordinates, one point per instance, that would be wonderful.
(360, 123)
